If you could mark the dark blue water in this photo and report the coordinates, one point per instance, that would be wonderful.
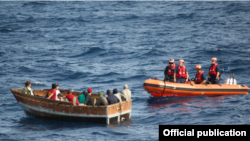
(105, 45)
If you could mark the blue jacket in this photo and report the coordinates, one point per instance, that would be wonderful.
(112, 99)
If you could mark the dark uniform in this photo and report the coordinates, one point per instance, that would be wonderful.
(214, 68)
(169, 73)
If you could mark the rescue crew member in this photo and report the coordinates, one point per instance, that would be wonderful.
(51, 94)
(214, 71)
(199, 77)
(169, 71)
(181, 73)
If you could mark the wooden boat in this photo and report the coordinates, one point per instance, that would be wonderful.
(42, 108)
(158, 88)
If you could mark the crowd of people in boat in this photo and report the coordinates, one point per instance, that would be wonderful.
(179, 74)
(85, 98)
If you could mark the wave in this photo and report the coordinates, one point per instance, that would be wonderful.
(5, 30)
(34, 4)
(156, 52)
(185, 16)
(237, 7)
(90, 51)
(26, 69)
(34, 83)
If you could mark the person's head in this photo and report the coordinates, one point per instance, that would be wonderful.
(54, 86)
(181, 62)
(60, 95)
(198, 68)
(27, 83)
(84, 92)
(125, 86)
(89, 91)
(70, 91)
(171, 62)
(57, 86)
(100, 94)
(108, 92)
(214, 60)
(115, 91)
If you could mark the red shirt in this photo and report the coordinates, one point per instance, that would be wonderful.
(70, 98)
(52, 91)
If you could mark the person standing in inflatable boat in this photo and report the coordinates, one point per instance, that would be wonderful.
(181, 73)
(169, 71)
(214, 71)
(199, 77)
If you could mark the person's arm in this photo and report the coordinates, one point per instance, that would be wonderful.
(165, 71)
(208, 74)
(203, 78)
(174, 76)
(77, 102)
(187, 76)
(50, 95)
(86, 100)
(92, 100)
(217, 75)
(203, 82)
(98, 102)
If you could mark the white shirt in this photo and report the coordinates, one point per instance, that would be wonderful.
(30, 91)
(126, 94)
(57, 92)
(118, 95)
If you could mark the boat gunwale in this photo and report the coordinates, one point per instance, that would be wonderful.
(60, 103)
(193, 89)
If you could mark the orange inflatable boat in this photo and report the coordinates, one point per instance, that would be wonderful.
(158, 88)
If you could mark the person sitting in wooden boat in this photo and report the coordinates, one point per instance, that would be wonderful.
(81, 97)
(169, 71)
(57, 90)
(111, 98)
(61, 98)
(126, 93)
(181, 73)
(102, 100)
(51, 94)
(27, 89)
(199, 77)
(118, 95)
(71, 98)
(214, 72)
(88, 99)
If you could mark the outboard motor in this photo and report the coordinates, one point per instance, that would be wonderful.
(231, 80)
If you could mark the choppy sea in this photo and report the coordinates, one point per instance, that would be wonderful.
(104, 45)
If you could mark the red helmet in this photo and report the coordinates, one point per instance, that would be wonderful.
(171, 60)
(214, 59)
(181, 61)
(198, 67)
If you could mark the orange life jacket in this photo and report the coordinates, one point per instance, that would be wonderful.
(170, 71)
(198, 77)
(181, 72)
(212, 69)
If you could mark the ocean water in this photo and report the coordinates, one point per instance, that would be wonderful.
(104, 45)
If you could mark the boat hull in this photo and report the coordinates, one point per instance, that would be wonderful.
(159, 88)
(46, 109)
